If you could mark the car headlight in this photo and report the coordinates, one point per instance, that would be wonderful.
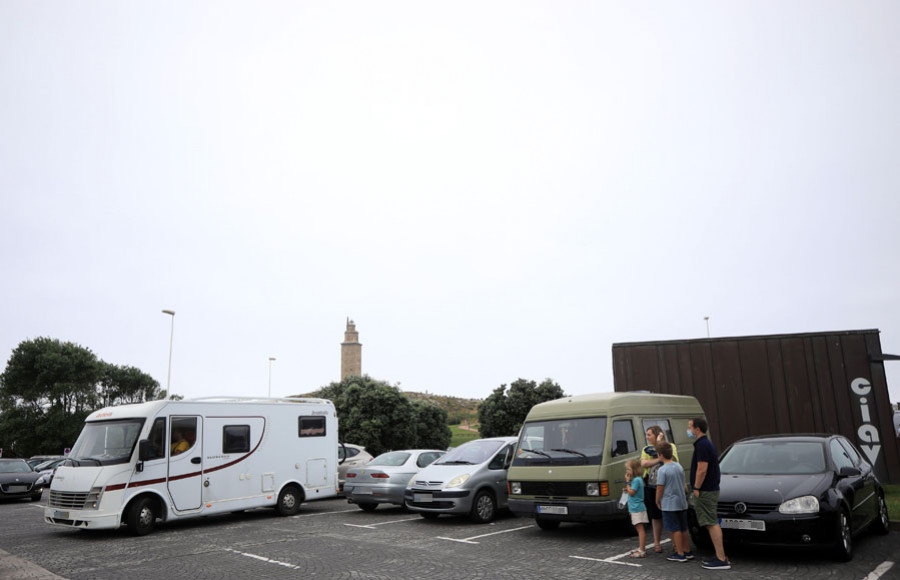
(592, 488)
(515, 487)
(92, 501)
(40, 481)
(457, 481)
(807, 504)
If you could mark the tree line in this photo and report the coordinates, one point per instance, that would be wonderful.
(49, 387)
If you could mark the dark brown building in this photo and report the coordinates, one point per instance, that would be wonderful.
(829, 382)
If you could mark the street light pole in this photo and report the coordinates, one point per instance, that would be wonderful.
(171, 336)
(706, 318)
(271, 358)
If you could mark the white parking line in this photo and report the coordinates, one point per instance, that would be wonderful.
(880, 570)
(322, 514)
(264, 559)
(372, 526)
(469, 540)
(612, 559)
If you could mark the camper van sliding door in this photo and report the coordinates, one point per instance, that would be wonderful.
(185, 461)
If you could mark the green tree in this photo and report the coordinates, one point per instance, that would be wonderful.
(123, 385)
(504, 411)
(432, 431)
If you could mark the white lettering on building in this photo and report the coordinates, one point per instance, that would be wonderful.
(868, 434)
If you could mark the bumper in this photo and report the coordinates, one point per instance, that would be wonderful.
(82, 519)
(575, 510)
(818, 530)
(374, 493)
(441, 502)
(34, 491)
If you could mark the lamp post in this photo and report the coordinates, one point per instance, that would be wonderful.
(171, 336)
(271, 358)
(706, 318)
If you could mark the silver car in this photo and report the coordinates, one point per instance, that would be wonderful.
(350, 456)
(469, 480)
(384, 479)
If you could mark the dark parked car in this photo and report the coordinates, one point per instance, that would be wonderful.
(18, 480)
(797, 490)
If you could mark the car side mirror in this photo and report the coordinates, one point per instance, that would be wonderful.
(849, 472)
(145, 450)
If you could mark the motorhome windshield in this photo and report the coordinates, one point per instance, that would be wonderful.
(471, 453)
(562, 442)
(106, 442)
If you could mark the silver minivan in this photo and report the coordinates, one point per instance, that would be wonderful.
(469, 480)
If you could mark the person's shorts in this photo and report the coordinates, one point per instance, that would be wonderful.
(653, 512)
(639, 518)
(675, 521)
(705, 507)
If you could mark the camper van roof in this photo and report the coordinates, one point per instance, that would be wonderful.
(152, 407)
(613, 404)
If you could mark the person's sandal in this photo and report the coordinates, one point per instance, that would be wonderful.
(638, 554)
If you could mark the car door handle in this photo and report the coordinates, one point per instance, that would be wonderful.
(196, 460)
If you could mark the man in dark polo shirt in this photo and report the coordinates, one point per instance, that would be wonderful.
(705, 476)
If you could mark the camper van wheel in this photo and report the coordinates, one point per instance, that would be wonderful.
(288, 501)
(545, 524)
(483, 508)
(141, 516)
(368, 507)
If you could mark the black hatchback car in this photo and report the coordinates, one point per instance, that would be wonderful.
(18, 480)
(797, 490)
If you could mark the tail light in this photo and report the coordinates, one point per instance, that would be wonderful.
(380, 475)
(351, 475)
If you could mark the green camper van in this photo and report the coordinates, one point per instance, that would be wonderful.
(570, 460)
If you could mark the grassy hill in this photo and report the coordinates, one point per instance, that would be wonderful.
(459, 410)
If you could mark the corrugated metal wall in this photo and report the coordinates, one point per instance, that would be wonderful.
(759, 385)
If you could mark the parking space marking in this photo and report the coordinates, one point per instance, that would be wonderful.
(613, 559)
(372, 526)
(469, 540)
(880, 570)
(264, 559)
(323, 514)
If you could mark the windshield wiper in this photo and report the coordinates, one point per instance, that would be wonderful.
(457, 462)
(535, 451)
(571, 451)
(91, 459)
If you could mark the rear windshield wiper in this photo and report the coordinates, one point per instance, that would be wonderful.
(571, 451)
(457, 462)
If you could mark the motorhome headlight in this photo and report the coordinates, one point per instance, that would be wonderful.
(515, 487)
(592, 488)
(458, 480)
(93, 498)
(807, 504)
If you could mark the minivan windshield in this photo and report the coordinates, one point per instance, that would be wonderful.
(471, 453)
(562, 441)
(106, 442)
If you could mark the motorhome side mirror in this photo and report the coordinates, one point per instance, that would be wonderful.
(849, 472)
(145, 450)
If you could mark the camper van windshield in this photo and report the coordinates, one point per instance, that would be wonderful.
(562, 441)
(106, 442)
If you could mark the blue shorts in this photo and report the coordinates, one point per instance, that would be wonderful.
(675, 521)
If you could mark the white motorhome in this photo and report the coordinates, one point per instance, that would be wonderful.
(169, 460)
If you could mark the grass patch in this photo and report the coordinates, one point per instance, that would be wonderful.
(892, 499)
(461, 436)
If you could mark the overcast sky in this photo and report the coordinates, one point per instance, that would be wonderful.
(491, 190)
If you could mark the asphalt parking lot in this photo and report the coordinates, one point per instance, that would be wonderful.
(331, 539)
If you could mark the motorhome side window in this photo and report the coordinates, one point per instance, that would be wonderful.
(235, 438)
(157, 438)
(184, 434)
(312, 427)
(663, 424)
(622, 438)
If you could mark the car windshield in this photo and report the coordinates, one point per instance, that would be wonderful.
(14, 467)
(471, 453)
(562, 441)
(106, 442)
(392, 458)
(778, 457)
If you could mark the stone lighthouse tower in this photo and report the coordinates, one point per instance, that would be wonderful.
(351, 352)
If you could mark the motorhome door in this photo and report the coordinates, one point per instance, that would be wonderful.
(185, 461)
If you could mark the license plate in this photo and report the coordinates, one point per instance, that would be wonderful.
(732, 524)
(60, 515)
(422, 498)
(560, 510)
(17, 488)
(362, 491)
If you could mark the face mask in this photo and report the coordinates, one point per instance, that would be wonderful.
(690, 434)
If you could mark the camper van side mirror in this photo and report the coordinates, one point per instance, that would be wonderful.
(145, 450)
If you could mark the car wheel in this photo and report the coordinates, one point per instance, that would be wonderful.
(483, 508)
(288, 501)
(141, 516)
(547, 525)
(844, 547)
(368, 507)
(883, 525)
(430, 515)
